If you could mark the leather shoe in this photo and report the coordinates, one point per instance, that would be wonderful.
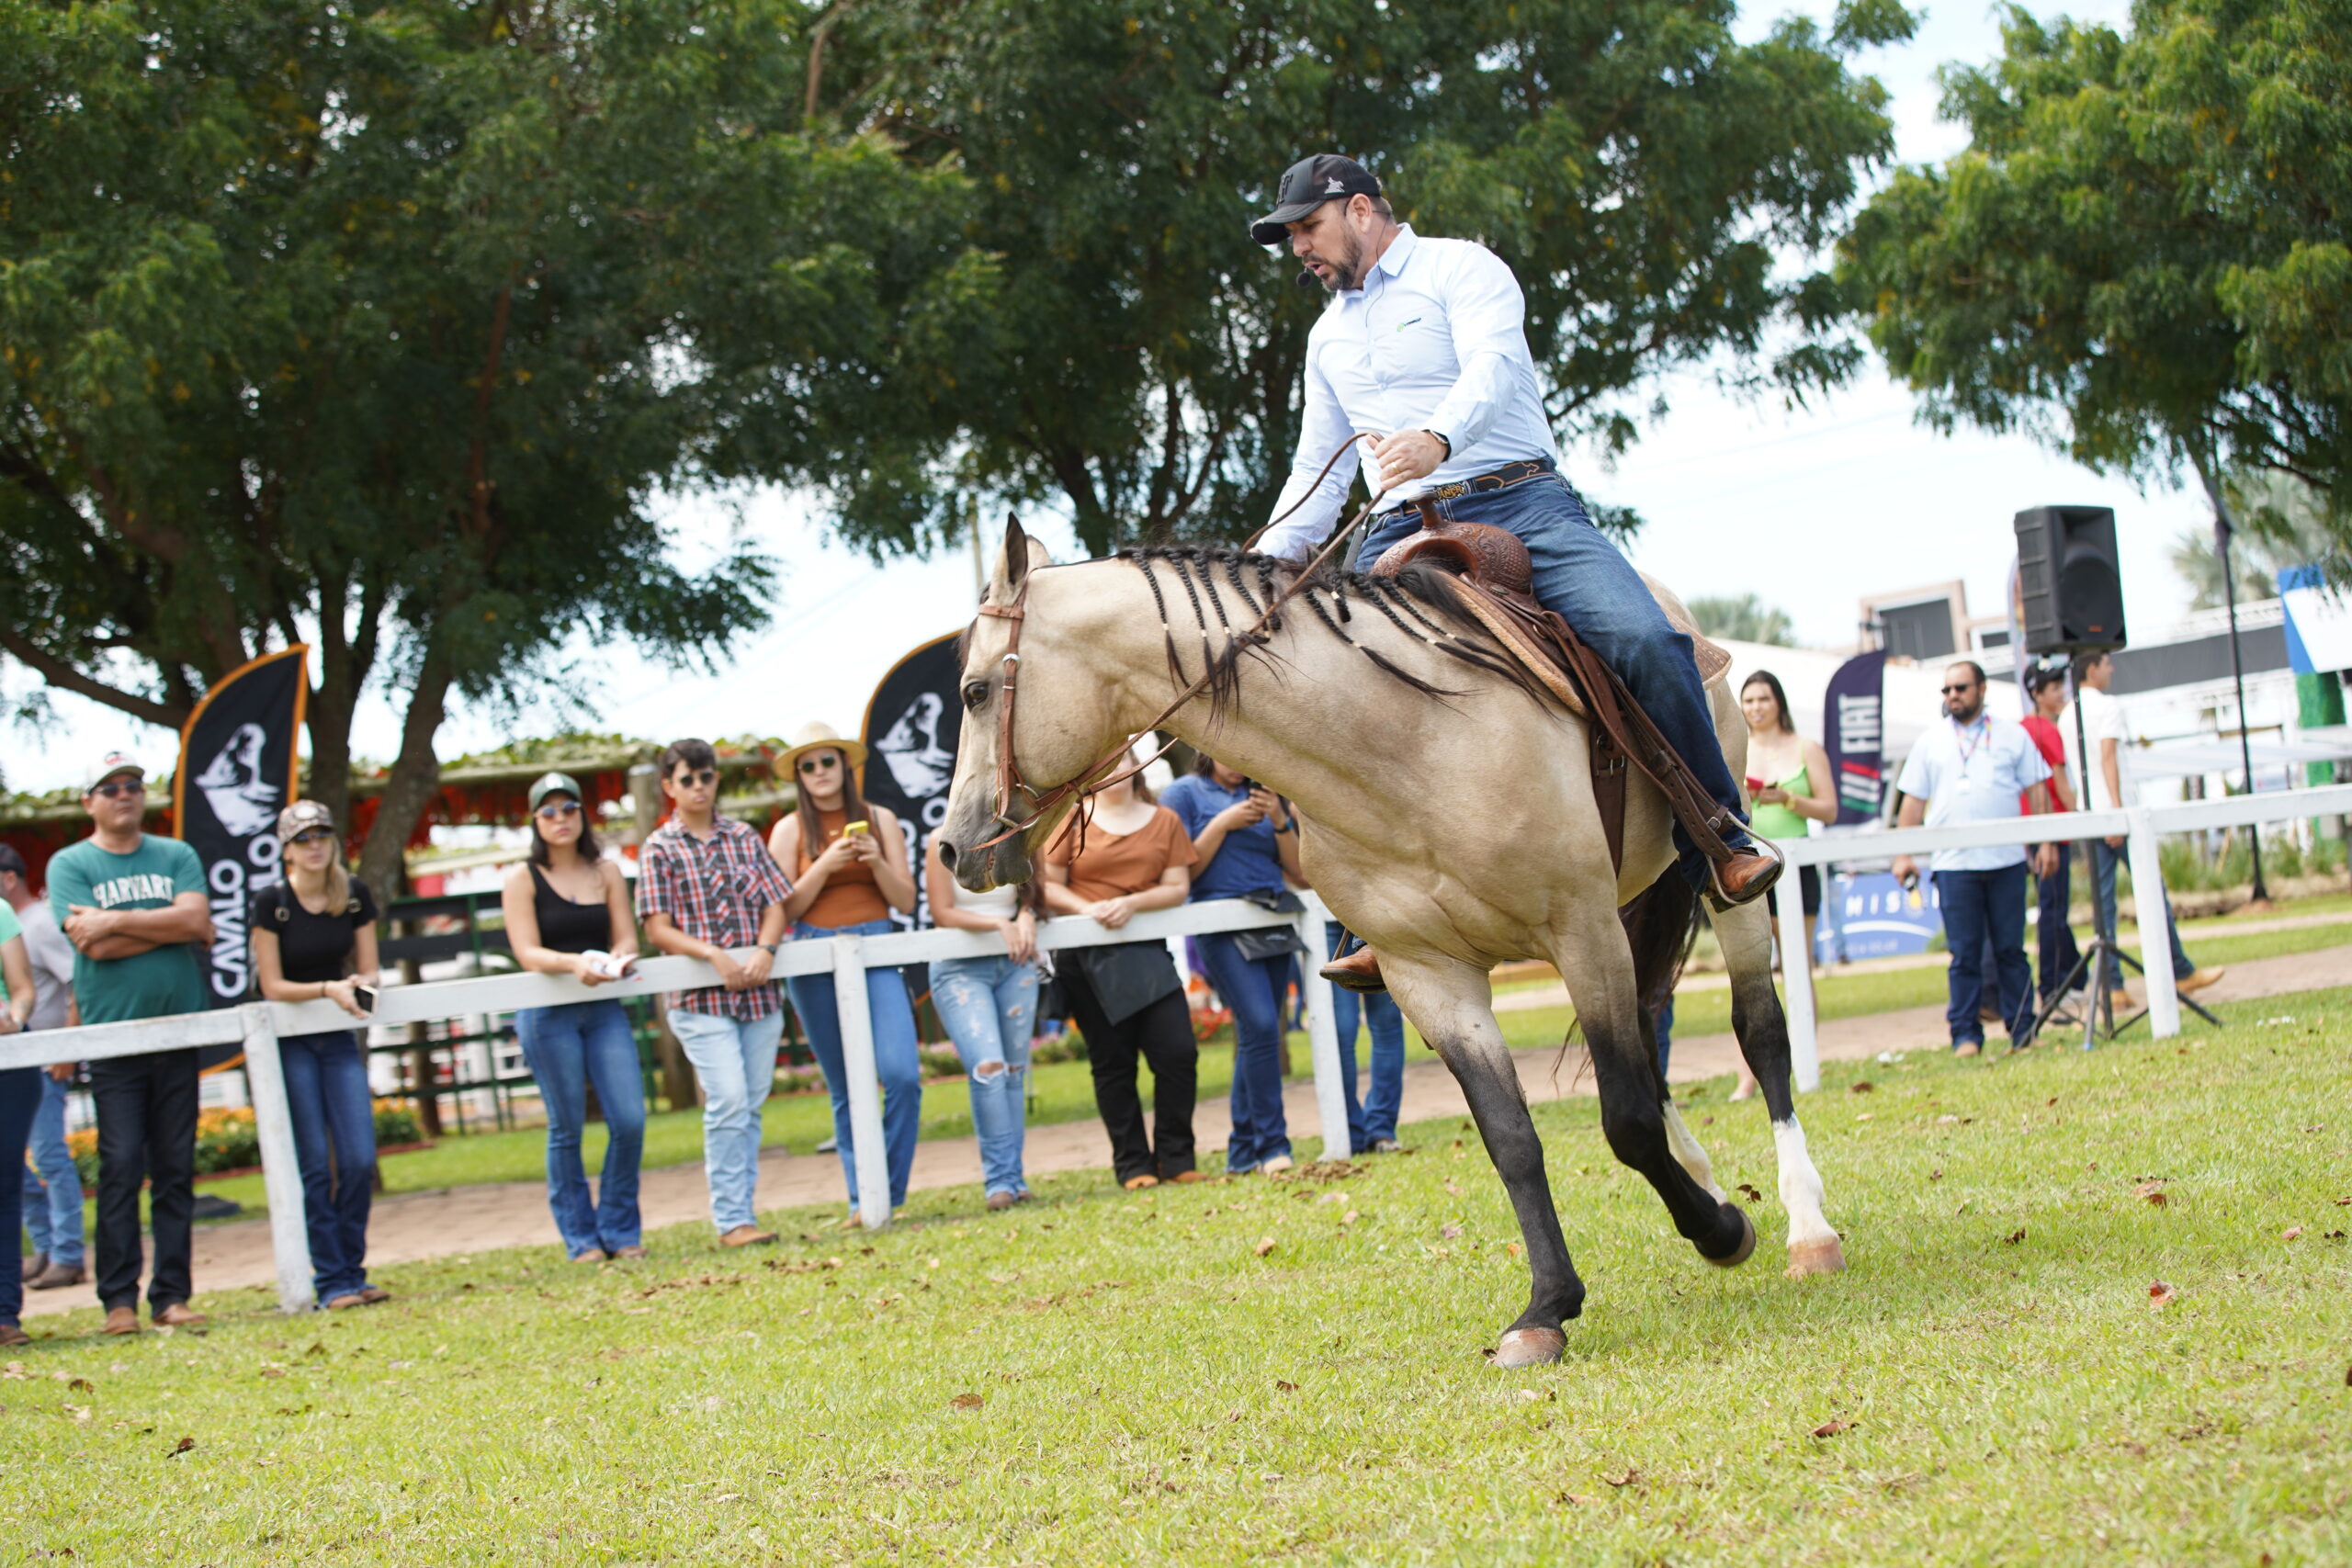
(374, 1296)
(746, 1236)
(1746, 876)
(631, 1252)
(1384, 1146)
(57, 1275)
(1138, 1183)
(2197, 980)
(180, 1315)
(121, 1320)
(346, 1301)
(1358, 971)
(28, 1267)
(12, 1336)
(1188, 1176)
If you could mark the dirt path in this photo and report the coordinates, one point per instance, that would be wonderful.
(459, 1220)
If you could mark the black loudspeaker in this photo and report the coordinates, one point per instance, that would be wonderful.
(2067, 576)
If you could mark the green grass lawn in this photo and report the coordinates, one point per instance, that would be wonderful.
(1290, 1371)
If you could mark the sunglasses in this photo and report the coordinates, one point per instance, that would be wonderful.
(315, 836)
(112, 788)
(555, 809)
(1955, 690)
(818, 764)
(698, 779)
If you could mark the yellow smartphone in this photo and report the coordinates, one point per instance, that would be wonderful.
(858, 826)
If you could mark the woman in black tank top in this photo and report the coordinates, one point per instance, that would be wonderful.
(568, 914)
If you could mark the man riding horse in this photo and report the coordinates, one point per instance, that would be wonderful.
(1425, 344)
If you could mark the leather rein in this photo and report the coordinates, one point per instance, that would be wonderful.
(1101, 774)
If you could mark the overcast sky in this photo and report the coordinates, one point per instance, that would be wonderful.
(1809, 509)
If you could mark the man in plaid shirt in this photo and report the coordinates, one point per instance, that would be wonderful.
(708, 888)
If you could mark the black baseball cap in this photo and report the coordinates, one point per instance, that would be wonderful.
(1307, 185)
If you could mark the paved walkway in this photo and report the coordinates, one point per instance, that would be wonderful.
(457, 1220)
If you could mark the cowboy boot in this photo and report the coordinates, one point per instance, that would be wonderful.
(1747, 875)
(1358, 971)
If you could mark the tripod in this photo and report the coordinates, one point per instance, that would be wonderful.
(2101, 953)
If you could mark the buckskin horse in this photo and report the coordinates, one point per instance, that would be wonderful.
(1448, 818)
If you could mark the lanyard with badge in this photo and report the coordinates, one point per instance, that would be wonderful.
(1967, 748)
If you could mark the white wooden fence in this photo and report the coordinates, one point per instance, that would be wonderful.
(260, 1025)
(2141, 825)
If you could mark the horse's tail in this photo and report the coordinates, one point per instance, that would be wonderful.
(1661, 925)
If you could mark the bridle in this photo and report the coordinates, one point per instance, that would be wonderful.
(1101, 774)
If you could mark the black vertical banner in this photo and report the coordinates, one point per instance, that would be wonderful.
(1853, 712)
(237, 771)
(912, 726)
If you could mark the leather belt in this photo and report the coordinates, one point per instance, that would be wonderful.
(1510, 474)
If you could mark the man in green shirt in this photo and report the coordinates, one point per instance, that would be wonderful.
(134, 909)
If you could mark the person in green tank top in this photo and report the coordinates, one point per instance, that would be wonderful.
(1788, 778)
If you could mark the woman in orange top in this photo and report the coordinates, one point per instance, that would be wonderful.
(1128, 997)
(848, 865)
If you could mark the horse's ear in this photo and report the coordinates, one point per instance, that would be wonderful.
(1013, 564)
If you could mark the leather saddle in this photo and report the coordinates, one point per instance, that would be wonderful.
(1491, 580)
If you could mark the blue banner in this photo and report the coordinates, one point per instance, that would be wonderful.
(1853, 715)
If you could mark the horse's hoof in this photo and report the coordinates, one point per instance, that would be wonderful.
(1738, 1255)
(1826, 1257)
(1530, 1348)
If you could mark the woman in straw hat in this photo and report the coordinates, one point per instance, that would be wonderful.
(314, 940)
(848, 862)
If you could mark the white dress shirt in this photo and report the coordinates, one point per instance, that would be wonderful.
(2102, 721)
(1436, 339)
(1974, 772)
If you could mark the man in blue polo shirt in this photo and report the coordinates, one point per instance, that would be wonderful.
(1973, 767)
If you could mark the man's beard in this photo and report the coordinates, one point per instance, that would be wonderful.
(1959, 716)
(1347, 267)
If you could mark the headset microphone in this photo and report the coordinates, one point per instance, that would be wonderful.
(1307, 280)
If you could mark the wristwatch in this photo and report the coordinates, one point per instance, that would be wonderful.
(1443, 440)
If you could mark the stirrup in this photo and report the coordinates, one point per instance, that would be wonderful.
(1720, 898)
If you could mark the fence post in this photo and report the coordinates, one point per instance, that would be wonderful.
(865, 1085)
(1796, 985)
(281, 1171)
(1323, 1034)
(2155, 924)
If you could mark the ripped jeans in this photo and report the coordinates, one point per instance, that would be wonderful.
(990, 1006)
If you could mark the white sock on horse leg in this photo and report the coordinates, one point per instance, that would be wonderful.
(1801, 1190)
(1690, 1153)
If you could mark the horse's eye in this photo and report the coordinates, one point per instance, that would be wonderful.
(976, 695)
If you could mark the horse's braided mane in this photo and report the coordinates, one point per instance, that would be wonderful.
(1400, 600)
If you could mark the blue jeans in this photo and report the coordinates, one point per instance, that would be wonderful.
(988, 1006)
(1253, 989)
(2103, 863)
(1978, 905)
(897, 1062)
(1582, 577)
(2054, 894)
(1376, 1118)
(334, 1147)
(567, 1048)
(52, 1196)
(735, 1061)
(19, 1098)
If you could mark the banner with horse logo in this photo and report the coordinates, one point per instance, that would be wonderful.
(237, 771)
(912, 726)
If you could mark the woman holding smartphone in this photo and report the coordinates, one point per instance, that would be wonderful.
(848, 865)
(1789, 781)
(314, 940)
(568, 913)
(989, 1008)
(1128, 997)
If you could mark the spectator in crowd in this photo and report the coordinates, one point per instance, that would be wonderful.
(135, 909)
(708, 888)
(314, 940)
(1974, 768)
(2104, 728)
(2046, 685)
(989, 1006)
(568, 913)
(1128, 997)
(19, 1098)
(1371, 1126)
(52, 1185)
(1790, 782)
(1246, 842)
(848, 871)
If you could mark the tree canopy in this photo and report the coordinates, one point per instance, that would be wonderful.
(381, 326)
(2142, 254)
(1745, 619)
(1637, 165)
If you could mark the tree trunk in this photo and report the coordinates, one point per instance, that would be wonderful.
(415, 776)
